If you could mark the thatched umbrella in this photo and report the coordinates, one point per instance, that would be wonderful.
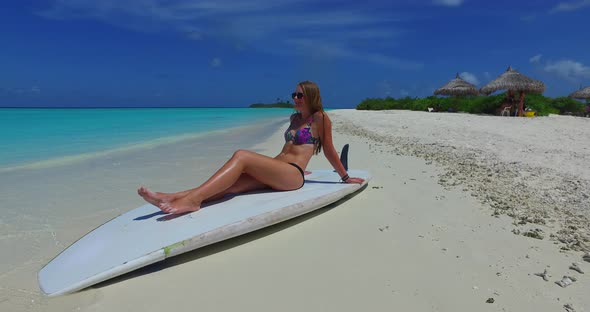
(581, 94)
(513, 80)
(457, 87)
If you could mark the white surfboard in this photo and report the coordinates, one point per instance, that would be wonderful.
(145, 235)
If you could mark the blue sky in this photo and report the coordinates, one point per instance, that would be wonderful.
(79, 53)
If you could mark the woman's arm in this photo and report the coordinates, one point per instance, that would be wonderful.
(325, 134)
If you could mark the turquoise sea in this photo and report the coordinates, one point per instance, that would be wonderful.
(33, 137)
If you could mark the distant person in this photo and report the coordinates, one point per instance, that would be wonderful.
(508, 104)
(510, 98)
(310, 130)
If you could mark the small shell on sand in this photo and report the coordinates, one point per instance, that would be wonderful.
(566, 281)
(544, 275)
(576, 268)
(534, 233)
(569, 308)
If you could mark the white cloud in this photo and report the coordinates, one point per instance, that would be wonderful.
(390, 61)
(265, 25)
(536, 58)
(26, 91)
(568, 69)
(570, 6)
(448, 2)
(216, 62)
(326, 50)
(385, 87)
(178, 10)
(469, 77)
(404, 92)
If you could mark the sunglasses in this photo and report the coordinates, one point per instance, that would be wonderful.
(298, 95)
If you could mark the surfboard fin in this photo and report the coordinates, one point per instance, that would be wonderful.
(344, 156)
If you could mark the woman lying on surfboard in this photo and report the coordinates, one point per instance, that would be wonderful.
(245, 171)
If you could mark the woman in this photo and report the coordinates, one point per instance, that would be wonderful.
(310, 129)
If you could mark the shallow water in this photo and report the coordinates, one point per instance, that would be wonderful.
(46, 137)
(45, 209)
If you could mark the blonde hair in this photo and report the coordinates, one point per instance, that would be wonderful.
(313, 101)
(311, 95)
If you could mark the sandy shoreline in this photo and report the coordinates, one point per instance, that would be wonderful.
(45, 210)
(421, 237)
(535, 170)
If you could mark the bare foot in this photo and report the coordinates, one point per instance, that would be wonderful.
(155, 198)
(181, 205)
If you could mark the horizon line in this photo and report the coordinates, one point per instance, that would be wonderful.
(130, 107)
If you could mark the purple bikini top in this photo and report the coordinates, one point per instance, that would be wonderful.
(301, 135)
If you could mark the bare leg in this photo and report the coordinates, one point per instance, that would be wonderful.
(268, 172)
(245, 183)
(157, 198)
(274, 173)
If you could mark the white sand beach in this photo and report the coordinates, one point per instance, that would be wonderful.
(461, 213)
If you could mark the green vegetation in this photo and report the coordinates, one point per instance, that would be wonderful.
(279, 103)
(542, 105)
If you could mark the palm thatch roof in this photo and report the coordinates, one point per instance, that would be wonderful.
(457, 86)
(581, 94)
(513, 80)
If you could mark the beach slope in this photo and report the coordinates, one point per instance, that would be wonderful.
(463, 213)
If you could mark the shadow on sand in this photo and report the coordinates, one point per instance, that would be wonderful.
(224, 245)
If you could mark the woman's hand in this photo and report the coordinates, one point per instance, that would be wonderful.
(355, 180)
